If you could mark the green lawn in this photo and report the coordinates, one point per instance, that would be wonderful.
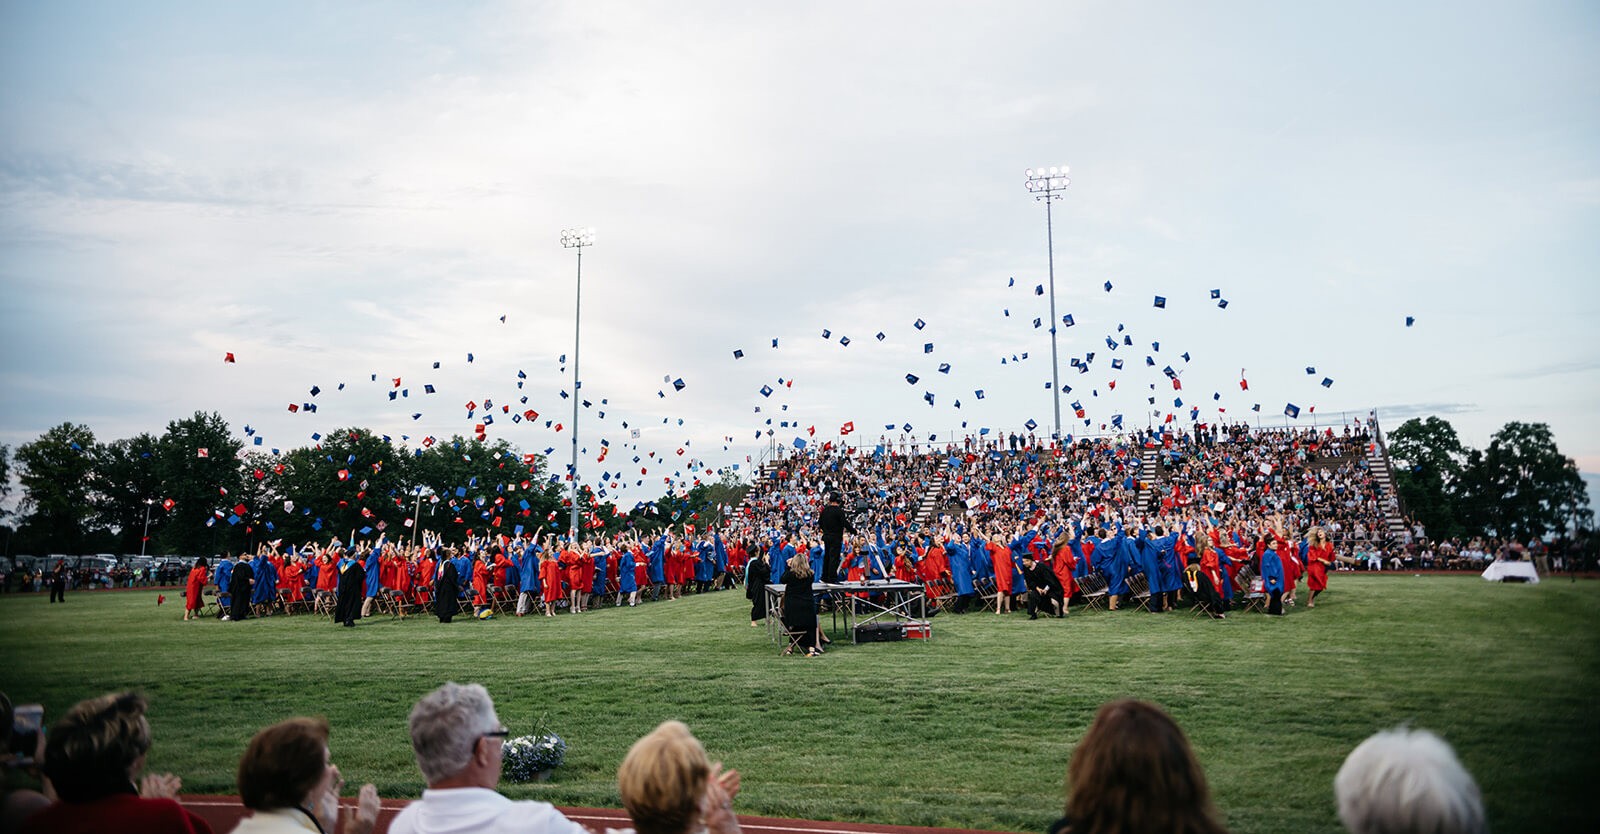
(973, 729)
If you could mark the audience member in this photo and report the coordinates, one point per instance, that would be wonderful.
(1407, 782)
(457, 739)
(669, 786)
(1134, 773)
(288, 779)
(92, 757)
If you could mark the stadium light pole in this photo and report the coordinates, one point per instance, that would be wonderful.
(576, 239)
(1046, 184)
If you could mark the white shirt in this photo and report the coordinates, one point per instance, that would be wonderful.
(479, 810)
(277, 821)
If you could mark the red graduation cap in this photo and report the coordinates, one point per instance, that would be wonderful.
(202, 452)
(228, 359)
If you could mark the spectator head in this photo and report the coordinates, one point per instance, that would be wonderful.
(98, 747)
(457, 737)
(1404, 781)
(1134, 772)
(662, 780)
(285, 764)
(200, 563)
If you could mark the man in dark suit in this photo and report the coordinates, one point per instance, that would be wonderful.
(1044, 589)
(833, 522)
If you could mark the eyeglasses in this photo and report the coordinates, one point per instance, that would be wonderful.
(500, 734)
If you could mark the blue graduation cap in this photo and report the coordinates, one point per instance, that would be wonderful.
(1155, 346)
(1011, 282)
(1067, 321)
(1031, 425)
(1292, 410)
(1149, 362)
(766, 390)
(1038, 323)
(1111, 343)
(944, 367)
(1161, 302)
(826, 333)
(1108, 286)
(774, 342)
(315, 390)
(1185, 356)
(1216, 396)
(393, 394)
(1223, 304)
(738, 354)
(928, 396)
(469, 357)
(1410, 320)
(677, 385)
(341, 386)
(436, 366)
(799, 442)
(1256, 407)
(1038, 290)
(911, 379)
(919, 324)
(927, 348)
(844, 341)
(258, 441)
(978, 393)
(1310, 370)
(906, 427)
(1327, 382)
(1127, 340)
(1117, 364)
(881, 336)
(1215, 294)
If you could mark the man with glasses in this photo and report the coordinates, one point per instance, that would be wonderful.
(457, 739)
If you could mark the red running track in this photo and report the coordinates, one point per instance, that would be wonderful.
(224, 812)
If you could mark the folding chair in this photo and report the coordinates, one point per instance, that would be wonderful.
(209, 607)
(503, 599)
(987, 593)
(1139, 590)
(1248, 593)
(303, 603)
(1094, 589)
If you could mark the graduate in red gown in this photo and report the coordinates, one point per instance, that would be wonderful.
(480, 586)
(550, 574)
(291, 580)
(1319, 557)
(1290, 554)
(192, 588)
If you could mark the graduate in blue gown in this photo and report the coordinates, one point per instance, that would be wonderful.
(719, 566)
(627, 575)
(959, 554)
(528, 577)
(602, 562)
(266, 588)
(224, 582)
(1272, 580)
(374, 577)
(1118, 556)
(1169, 568)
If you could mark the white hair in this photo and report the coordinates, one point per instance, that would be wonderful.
(446, 725)
(1405, 781)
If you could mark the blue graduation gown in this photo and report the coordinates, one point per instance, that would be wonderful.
(655, 569)
(266, 587)
(374, 574)
(705, 560)
(224, 580)
(1167, 566)
(601, 563)
(463, 565)
(960, 559)
(528, 569)
(1271, 571)
(627, 576)
(1115, 562)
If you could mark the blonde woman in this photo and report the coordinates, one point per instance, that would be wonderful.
(799, 603)
(1319, 560)
(669, 786)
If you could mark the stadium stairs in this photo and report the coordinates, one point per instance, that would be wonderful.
(1383, 476)
(1150, 481)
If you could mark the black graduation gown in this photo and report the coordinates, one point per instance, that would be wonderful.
(799, 604)
(756, 578)
(239, 587)
(445, 591)
(352, 584)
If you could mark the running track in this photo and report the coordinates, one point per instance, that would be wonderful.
(224, 812)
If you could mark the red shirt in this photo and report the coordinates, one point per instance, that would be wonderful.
(124, 813)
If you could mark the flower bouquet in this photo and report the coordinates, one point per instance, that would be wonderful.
(530, 758)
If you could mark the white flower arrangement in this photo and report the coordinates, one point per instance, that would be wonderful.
(530, 758)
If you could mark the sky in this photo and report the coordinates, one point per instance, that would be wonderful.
(350, 192)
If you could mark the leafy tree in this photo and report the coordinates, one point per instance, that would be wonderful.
(352, 480)
(1521, 486)
(467, 484)
(55, 473)
(1430, 455)
(198, 463)
(123, 478)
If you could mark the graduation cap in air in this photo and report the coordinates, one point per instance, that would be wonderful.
(1161, 302)
(918, 324)
(1410, 320)
(1117, 364)
(928, 396)
(978, 393)
(1310, 370)
(1067, 321)
(1108, 286)
(436, 366)
(1215, 294)
(1011, 282)
(315, 390)
(738, 354)
(766, 390)
(881, 336)
(677, 385)
(1292, 410)
(927, 348)
(1223, 304)
(774, 342)
(228, 358)
(1038, 290)
(911, 379)
(826, 333)
(1037, 323)
(469, 357)
(1327, 382)
(844, 341)
(1031, 425)
(1185, 356)
(944, 367)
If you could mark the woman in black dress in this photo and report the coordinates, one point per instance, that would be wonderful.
(352, 585)
(445, 591)
(239, 586)
(799, 605)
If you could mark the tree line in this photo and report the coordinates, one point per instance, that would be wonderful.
(205, 490)
(1519, 487)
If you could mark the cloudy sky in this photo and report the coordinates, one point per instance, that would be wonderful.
(337, 191)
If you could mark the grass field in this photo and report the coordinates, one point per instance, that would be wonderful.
(972, 729)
